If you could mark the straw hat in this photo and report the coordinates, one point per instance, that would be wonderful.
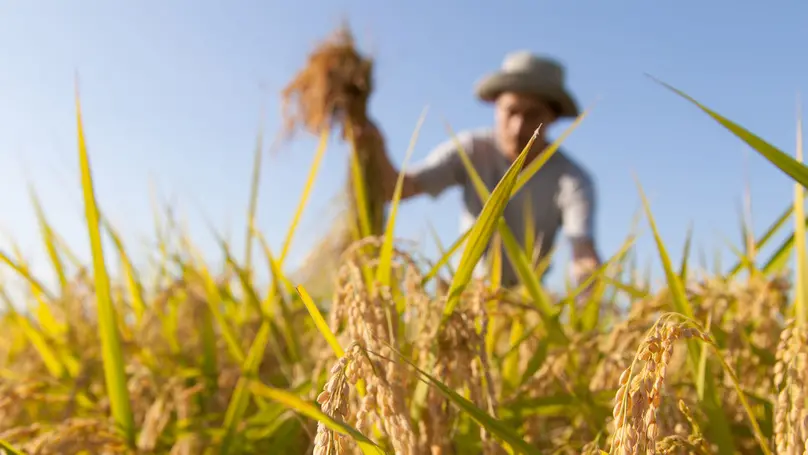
(524, 72)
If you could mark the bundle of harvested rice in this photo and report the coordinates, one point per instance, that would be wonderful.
(333, 90)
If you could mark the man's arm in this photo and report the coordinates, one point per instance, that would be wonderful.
(585, 259)
(578, 218)
(369, 134)
(441, 169)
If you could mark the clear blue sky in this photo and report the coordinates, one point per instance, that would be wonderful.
(172, 92)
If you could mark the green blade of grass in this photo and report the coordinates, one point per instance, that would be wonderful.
(542, 264)
(304, 198)
(530, 228)
(275, 291)
(441, 250)
(214, 302)
(161, 237)
(709, 397)
(22, 270)
(10, 307)
(476, 180)
(50, 243)
(8, 448)
(291, 401)
(510, 364)
(483, 229)
(358, 185)
(241, 395)
(646, 279)
(67, 251)
(279, 280)
(633, 292)
(112, 354)
(40, 344)
(491, 424)
(556, 404)
(59, 368)
(255, 302)
(801, 278)
(761, 440)
(270, 412)
(445, 257)
(252, 208)
(133, 283)
(495, 267)
(742, 258)
(535, 362)
(252, 299)
(686, 254)
(600, 272)
(517, 256)
(746, 213)
(45, 317)
(764, 239)
(680, 302)
(745, 233)
(591, 313)
(785, 163)
(320, 323)
(777, 261)
(541, 300)
(210, 359)
(386, 254)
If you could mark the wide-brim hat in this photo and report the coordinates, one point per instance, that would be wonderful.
(525, 72)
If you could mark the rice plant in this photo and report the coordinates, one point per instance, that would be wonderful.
(402, 359)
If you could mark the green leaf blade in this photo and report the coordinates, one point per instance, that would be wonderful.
(484, 228)
(112, 353)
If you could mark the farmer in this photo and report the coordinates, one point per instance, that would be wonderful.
(526, 92)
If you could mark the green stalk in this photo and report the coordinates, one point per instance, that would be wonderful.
(114, 372)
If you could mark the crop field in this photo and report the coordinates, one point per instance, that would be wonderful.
(406, 355)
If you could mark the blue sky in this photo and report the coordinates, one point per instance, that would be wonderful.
(172, 94)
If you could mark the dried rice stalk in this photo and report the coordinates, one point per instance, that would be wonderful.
(790, 376)
(635, 420)
(333, 89)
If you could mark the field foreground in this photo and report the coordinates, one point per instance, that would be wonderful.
(404, 361)
(184, 372)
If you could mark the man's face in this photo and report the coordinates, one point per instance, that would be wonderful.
(517, 117)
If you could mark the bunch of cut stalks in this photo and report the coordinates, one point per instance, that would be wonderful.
(332, 91)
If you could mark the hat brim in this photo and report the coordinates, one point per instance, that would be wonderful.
(493, 85)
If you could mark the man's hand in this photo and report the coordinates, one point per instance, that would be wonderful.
(585, 261)
(365, 132)
(368, 135)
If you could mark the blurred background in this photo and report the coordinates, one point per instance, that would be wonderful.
(173, 94)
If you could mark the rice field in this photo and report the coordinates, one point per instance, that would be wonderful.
(408, 355)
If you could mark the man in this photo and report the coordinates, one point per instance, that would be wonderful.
(526, 92)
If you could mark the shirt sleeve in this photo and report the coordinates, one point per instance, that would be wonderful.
(577, 204)
(443, 167)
